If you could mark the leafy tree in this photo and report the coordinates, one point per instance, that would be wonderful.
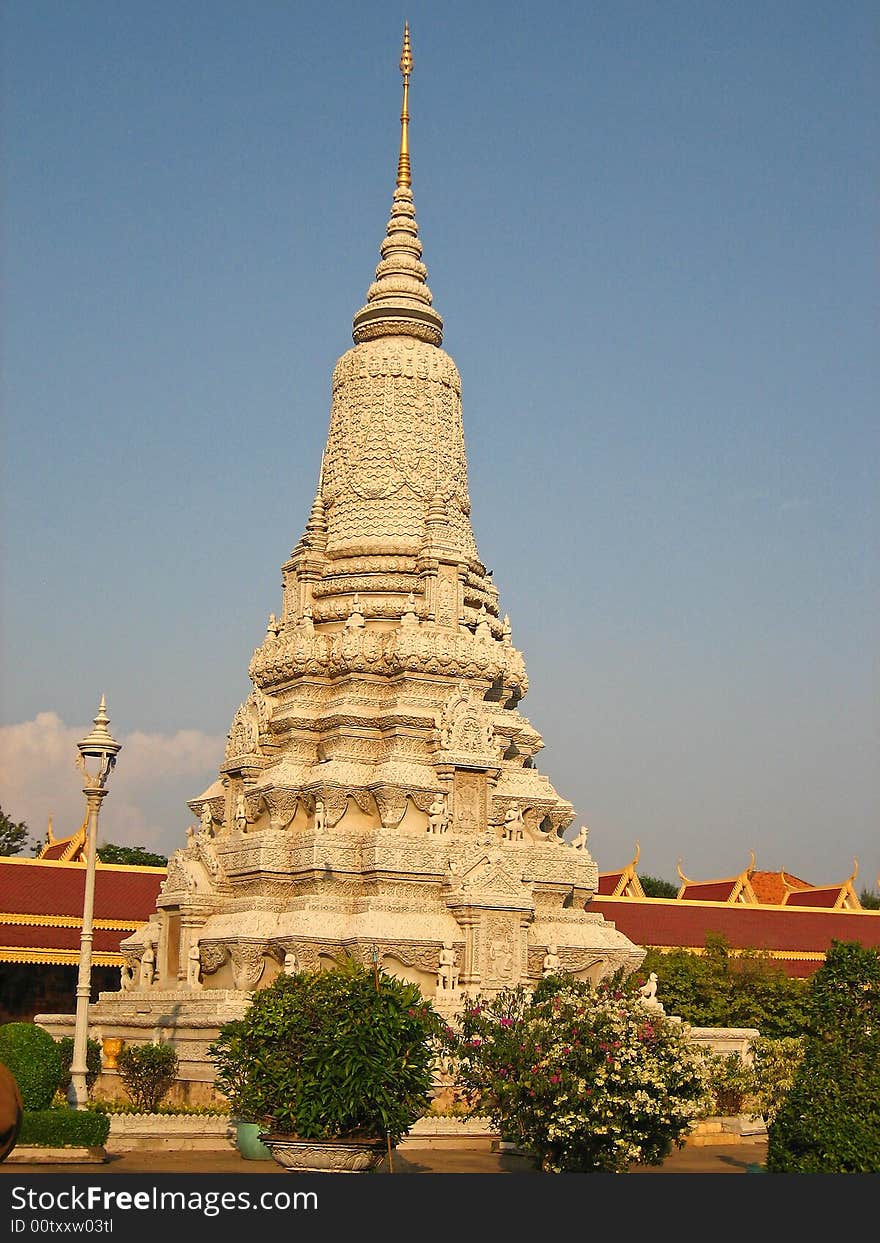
(131, 856)
(654, 887)
(721, 989)
(870, 900)
(829, 1122)
(13, 837)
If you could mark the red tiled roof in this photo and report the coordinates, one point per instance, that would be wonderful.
(710, 890)
(55, 851)
(770, 887)
(608, 881)
(825, 897)
(106, 940)
(35, 887)
(41, 908)
(673, 922)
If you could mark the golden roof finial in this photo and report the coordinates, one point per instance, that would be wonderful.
(404, 175)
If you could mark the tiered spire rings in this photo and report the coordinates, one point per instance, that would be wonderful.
(399, 300)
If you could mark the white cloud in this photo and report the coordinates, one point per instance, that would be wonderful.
(146, 803)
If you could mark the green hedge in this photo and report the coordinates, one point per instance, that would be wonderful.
(64, 1128)
(32, 1056)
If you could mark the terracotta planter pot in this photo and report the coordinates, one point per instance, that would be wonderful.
(326, 1156)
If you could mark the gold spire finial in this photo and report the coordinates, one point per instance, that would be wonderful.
(404, 177)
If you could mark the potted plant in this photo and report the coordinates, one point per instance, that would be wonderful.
(334, 1066)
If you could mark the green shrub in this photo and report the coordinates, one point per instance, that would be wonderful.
(731, 1082)
(775, 1064)
(148, 1072)
(330, 1054)
(93, 1062)
(32, 1056)
(829, 1122)
(63, 1127)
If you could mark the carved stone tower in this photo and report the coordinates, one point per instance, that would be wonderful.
(378, 795)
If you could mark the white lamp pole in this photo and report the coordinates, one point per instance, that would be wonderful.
(98, 752)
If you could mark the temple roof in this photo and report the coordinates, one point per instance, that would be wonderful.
(797, 939)
(64, 848)
(730, 889)
(771, 887)
(41, 902)
(624, 883)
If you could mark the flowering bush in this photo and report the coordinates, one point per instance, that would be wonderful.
(586, 1078)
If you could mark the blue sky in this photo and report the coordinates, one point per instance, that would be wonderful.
(651, 231)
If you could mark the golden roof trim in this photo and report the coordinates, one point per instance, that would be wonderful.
(29, 920)
(736, 952)
(15, 953)
(761, 906)
(80, 863)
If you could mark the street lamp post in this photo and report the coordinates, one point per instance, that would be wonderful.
(97, 757)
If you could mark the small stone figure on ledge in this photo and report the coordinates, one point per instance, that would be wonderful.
(513, 824)
(552, 962)
(580, 842)
(194, 966)
(291, 965)
(447, 975)
(438, 817)
(648, 993)
(148, 965)
(320, 816)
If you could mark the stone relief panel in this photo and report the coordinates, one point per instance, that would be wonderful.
(500, 967)
(250, 722)
(491, 872)
(469, 802)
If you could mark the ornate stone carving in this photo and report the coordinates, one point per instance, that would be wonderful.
(384, 702)
(252, 718)
(438, 815)
(179, 877)
(513, 824)
(448, 970)
(580, 842)
(501, 967)
(469, 802)
(212, 956)
(491, 873)
(248, 962)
